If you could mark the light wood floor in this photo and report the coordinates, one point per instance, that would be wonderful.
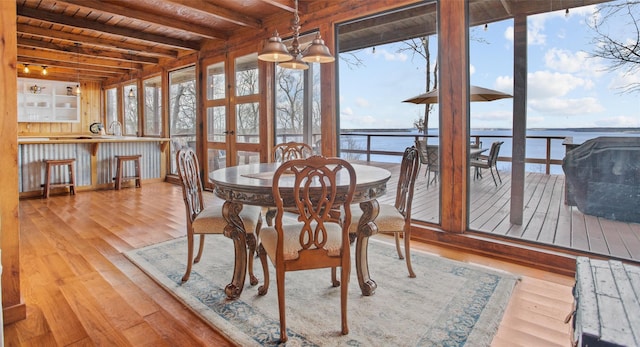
(81, 291)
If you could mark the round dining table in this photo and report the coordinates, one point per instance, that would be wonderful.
(252, 184)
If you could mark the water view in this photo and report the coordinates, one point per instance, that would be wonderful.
(399, 139)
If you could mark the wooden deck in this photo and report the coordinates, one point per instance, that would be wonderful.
(547, 220)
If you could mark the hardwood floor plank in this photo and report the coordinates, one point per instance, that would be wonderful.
(80, 290)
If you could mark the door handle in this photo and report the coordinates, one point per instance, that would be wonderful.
(228, 132)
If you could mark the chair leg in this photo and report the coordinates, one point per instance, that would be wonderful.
(498, 173)
(494, 177)
(282, 306)
(334, 277)
(187, 273)
(264, 288)
(344, 293)
(200, 248)
(397, 237)
(251, 244)
(407, 251)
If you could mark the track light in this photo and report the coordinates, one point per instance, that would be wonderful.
(44, 70)
(25, 69)
(566, 12)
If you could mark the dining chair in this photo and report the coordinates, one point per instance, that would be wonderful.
(202, 220)
(283, 152)
(396, 218)
(291, 150)
(315, 238)
(488, 162)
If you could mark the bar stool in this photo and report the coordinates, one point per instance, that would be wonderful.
(120, 177)
(48, 184)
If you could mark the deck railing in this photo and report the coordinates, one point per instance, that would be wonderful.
(368, 151)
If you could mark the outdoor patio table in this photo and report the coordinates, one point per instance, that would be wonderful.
(252, 184)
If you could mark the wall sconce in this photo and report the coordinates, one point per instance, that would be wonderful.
(25, 69)
(44, 70)
(132, 94)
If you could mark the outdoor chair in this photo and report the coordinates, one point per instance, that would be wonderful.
(421, 146)
(203, 220)
(433, 163)
(488, 162)
(316, 238)
(396, 218)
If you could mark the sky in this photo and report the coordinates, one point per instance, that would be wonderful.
(567, 87)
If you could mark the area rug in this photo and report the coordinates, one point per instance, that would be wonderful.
(449, 303)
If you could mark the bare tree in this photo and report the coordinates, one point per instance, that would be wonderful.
(622, 49)
(420, 47)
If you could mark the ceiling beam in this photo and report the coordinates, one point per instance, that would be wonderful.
(220, 13)
(71, 64)
(84, 51)
(58, 56)
(51, 33)
(113, 30)
(148, 17)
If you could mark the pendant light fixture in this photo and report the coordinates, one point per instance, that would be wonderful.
(296, 62)
(275, 51)
(44, 70)
(131, 94)
(25, 69)
(78, 67)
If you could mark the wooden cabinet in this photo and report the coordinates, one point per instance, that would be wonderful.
(44, 101)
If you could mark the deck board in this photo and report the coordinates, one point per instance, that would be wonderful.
(546, 218)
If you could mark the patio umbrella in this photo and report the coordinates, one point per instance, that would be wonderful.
(477, 94)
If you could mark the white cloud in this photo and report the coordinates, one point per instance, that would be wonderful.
(389, 56)
(573, 62)
(508, 33)
(566, 106)
(346, 111)
(362, 102)
(545, 84)
(622, 80)
(472, 69)
(504, 84)
(620, 121)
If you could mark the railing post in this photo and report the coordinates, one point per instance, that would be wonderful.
(368, 148)
(548, 159)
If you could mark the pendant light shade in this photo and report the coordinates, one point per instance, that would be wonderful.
(317, 52)
(295, 63)
(25, 69)
(44, 70)
(274, 50)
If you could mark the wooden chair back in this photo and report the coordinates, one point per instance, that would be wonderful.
(189, 173)
(316, 187)
(286, 151)
(406, 181)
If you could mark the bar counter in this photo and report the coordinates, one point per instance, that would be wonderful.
(95, 159)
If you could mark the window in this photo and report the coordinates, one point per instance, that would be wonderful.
(247, 108)
(130, 110)
(152, 106)
(111, 106)
(182, 110)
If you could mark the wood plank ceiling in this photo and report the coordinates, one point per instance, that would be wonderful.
(109, 39)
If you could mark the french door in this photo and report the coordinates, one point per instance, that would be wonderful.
(232, 112)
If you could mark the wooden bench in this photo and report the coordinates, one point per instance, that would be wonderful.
(607, 303)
